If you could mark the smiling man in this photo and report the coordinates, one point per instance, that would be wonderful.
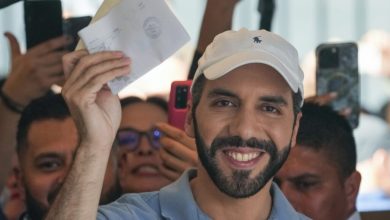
(244, 116)
(242, 152)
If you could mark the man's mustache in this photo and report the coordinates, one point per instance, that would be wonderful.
(236, 141)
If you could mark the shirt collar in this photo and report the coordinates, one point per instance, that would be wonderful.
(281, 208)
(177, 201)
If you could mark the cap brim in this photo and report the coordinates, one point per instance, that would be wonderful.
(245, 57)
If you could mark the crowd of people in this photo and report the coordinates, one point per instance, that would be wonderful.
(253, 147)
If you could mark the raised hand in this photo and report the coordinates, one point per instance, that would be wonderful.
(326, 99)
(97, 114)
(96, 111)
(33, 73)
(178, 152)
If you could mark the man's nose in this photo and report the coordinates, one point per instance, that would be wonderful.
(245, 124)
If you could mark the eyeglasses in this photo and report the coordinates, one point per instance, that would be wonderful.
(130, 138)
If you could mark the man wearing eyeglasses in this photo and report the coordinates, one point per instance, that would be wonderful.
(244, 115)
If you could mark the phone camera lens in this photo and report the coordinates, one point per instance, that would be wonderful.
(181, 97)
(329, 58)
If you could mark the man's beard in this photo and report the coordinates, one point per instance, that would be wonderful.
(35, 209)
(239, 184)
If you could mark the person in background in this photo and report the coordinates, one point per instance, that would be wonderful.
(152, 153)
(46, 144)
(319, 177)
(373, 158)
(13, 202)
(31, 76)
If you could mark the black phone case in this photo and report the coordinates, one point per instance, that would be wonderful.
(337, 71)
(43, 20)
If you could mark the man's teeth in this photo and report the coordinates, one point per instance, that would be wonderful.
(243, 157)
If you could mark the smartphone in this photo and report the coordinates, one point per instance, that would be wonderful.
(179, 97)
(43, 20)
(337, 71)
(71, 27)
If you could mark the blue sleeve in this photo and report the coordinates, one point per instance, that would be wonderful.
(129, 208)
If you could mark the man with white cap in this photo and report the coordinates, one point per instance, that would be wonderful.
(244, 115)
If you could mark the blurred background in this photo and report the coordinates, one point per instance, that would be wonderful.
(305, 23)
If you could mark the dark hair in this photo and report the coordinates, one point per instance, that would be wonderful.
(323, 129)
(154, 100)
(198, 86)
(46, 107)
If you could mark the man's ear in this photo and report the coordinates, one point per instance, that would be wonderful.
(351, 187)
(189, 126)
(295, 129)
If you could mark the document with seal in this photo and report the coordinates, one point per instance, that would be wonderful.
(103, 10)
(145, 30)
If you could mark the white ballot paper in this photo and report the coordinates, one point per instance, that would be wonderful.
(145, 30)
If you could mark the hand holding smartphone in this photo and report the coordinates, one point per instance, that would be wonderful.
(43, 20)
(179, 96)
(337, 71)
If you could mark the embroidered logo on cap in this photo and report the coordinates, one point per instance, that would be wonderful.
(257, 40)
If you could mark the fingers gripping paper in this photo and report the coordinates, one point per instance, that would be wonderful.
(145, 30)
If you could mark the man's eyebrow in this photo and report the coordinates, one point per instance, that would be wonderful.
(303, 176)
(221, 92)
(276, 99)
(280, 100)
(49, 155)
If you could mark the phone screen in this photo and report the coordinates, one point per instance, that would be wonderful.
(337, 71)
(43, 20)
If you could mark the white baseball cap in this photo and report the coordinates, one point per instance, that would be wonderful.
(232, 49)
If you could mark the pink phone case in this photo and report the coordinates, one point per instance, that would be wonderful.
(177, 114)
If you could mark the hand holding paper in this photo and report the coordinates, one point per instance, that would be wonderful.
(145, 30)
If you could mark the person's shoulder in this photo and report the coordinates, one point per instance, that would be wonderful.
(174, 201)
(302, 216)
(281, 207)
(136, 198)
(133, 206)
